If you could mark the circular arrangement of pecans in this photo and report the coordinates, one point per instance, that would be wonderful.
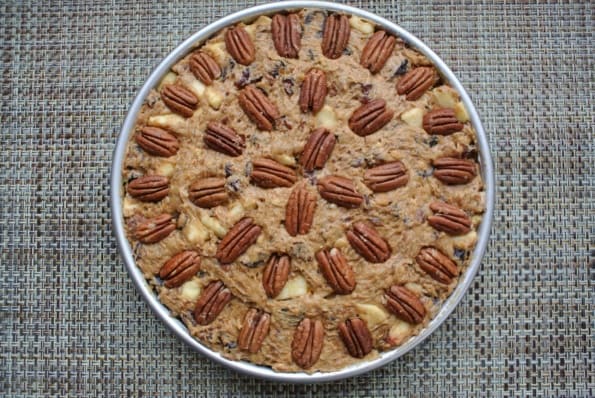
(300, 210)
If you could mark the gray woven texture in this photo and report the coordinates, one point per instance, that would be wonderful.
(71, 320)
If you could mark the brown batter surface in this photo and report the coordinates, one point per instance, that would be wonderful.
(398, 215)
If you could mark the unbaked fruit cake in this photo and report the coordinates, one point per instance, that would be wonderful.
(302, 191)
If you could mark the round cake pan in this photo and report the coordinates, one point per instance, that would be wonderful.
(247, 15)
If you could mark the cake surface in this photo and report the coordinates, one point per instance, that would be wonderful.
(303, 191)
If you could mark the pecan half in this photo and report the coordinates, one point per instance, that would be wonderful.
(151, 188)
(404, 304)
(386, 177)
(337, 272)
(318, 149)
(368, 243)
(224, 139)
(449, 219)
(335, 35)
(212, 301)
(378, 49)
(356, 337)
(441, 121)
(437, 265)
(370, 117)
(208, 192)
(179, 99)
(307, 343)
(259, 108)
(416, 82)
(239, 45)
(204, 67)
(239, 238)
(155, 229)
(267, 173)
(275, 274)
(299, 212)
(157, 142)
(454, 171)
(313, 91)
(287, 35)
(180, 268)
(254, 330)
(340, 191)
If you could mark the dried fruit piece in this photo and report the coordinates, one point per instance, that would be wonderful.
(239, 238)
(442, 121)
(180, 268)
(299, 212)
(370, 117)
(337, 272)
(449, 219)
(454, 171)
(356, 337)
(155, 229)
(212, 301)
(239, 45)
(287, 34)
(437, 265)
(307, 343)
(318, 149)
(259, 108)
(404, 304)
(179, 99)
(378, 49)
(157, 142)
(368, 243)
(275, 274)
(151, 188)
(335, 35)
(224, 139)
(416, 82)
(208, 192)
(267, 173)
(205, 68)
(254, 330)
(386, 177)
(340, 191)
(313, 91)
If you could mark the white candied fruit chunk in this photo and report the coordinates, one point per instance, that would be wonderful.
(214, 97)
(197, 87)
(361, 25)
(371, 313)
(445, 96)
(165, 168)
(465, 241)
(285, 159)
(399, 332)
(461, 112)
(168, 121)
(341, 243)
(213, 224)
(129, 206)
(326, 117)
(217, 51)
(190, 290)
(236, 213)
(195, 232)
(295, 287)
(169, 78)
(413, 117)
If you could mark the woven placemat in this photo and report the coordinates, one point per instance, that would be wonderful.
(72, 322)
